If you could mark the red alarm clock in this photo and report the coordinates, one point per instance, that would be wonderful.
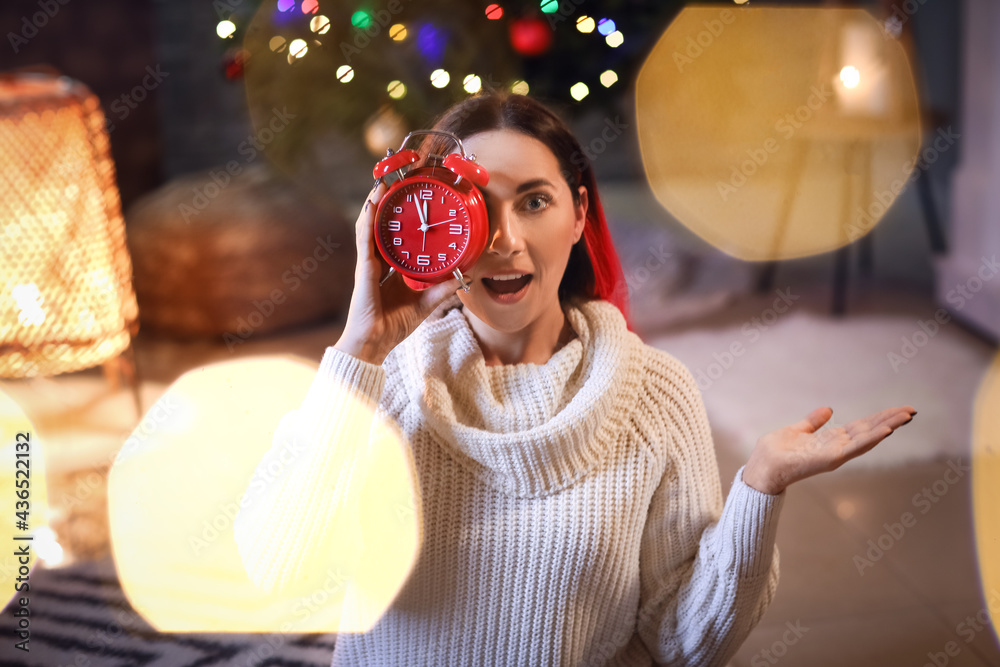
(431, 223)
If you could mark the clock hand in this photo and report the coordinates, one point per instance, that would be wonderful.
(440, 223)
(423, 224)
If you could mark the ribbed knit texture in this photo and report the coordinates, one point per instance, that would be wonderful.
(572, 511)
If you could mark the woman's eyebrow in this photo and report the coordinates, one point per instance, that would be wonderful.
(529, 185)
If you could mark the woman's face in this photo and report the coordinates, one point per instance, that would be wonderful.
(533, 225)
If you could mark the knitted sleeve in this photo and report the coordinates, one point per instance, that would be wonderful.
(707, 571)
(288, 520)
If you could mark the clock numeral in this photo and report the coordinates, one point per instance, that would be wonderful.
(409, 197)
(452, 212)
(397, 240)
(406, 252)
(427, 194)
(394, 225)
(423, 260)
(442, 199)
(442, 257)
(455, 228)
(397, 209)
(452, 245)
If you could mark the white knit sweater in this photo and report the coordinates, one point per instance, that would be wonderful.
(572, 511)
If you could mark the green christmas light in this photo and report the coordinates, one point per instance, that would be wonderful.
(361, 19)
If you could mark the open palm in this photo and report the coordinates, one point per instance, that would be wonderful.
(801, 450)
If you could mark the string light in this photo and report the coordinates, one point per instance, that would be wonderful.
(397, 32)
(606, 27)
(345, 73)
(608, 78)
(440, 78)
(472, 84)
(579, 91)
(310, 6)
(277, 44)
(550, 6)
(319, 24)
(850, 76)
(615, 39)
(494, 12)
(396, 90)
(298, 48)
(519, 88)
(361, 19)
(225, 29)
(285, 5)
(585, 24)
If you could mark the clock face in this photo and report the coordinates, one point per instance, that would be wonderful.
(424, 227)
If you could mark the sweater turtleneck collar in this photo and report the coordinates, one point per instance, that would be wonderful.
(525, 429)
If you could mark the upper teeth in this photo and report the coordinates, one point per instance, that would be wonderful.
(510, 276)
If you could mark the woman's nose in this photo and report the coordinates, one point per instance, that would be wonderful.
(505, 236)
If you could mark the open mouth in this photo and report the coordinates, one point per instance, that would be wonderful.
(507, 284)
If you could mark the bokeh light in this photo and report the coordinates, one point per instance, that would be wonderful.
(225, 29)
(285, 5)
(585, 24)
(396, 90)
(397, 32)
(277, 43)
(606, 27)
(310, 6)
(579, 90)
(986, 487)
(361, 19)
(494, 12)
(298, 48)
(319, 24)
(850, 76)
(615, 39)
(608, 78)
(440, 78)
(345, 73)
(190, 559)
(472, 84)
(519, 88)
(549, 6)
(431, 42)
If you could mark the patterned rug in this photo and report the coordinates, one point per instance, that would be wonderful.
(81, 618)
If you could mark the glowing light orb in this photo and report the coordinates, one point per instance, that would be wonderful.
(345, 73)
(986, 488)
(277, 44)
(396, 90)
(431, 42)
(770, 156)
(615, 39)
(850, 76)
(519, 88)
(608, 78)
(549, 6)
(298, 48)
(585, 24)
(310, 6)
(440, 78)
(189, 558)
(397, 32)
(472, 84)
(361, 19)
(319, 24)
(579, 90)
(606, 27)
(26, 500)
(494, 12)
(285, 5)
(225, 29)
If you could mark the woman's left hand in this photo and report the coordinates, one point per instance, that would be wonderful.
(795, 452)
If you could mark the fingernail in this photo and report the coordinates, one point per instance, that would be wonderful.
(368, 204)
(908, 420)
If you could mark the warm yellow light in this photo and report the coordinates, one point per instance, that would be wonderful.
(277, 43)
(345, 73)
(440, 78)
(615, 39)
(29, 304)
(585, 24)
(194, 547)
(519, 88)
(225, 29)
(397, 32)
(579, 91)
(986, 488)
(396, 90)
(472, 84)
(319, 24)
(298, 48)
(850, 76)
(608, 77)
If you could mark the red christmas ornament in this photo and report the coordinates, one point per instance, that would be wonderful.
(530, 36)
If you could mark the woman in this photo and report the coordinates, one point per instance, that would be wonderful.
(572, 508)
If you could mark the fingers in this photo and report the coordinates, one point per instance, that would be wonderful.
(814, 420)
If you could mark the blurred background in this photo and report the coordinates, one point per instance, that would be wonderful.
(230, 145)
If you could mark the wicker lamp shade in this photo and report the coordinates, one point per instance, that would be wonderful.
(66, 298)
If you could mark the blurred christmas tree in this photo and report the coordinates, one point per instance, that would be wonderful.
(375, 70)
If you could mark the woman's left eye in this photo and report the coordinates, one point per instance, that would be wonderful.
(536, 203)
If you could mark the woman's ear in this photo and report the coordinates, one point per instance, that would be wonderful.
(580, 220)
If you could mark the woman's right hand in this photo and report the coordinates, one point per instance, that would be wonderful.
(380, 318)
